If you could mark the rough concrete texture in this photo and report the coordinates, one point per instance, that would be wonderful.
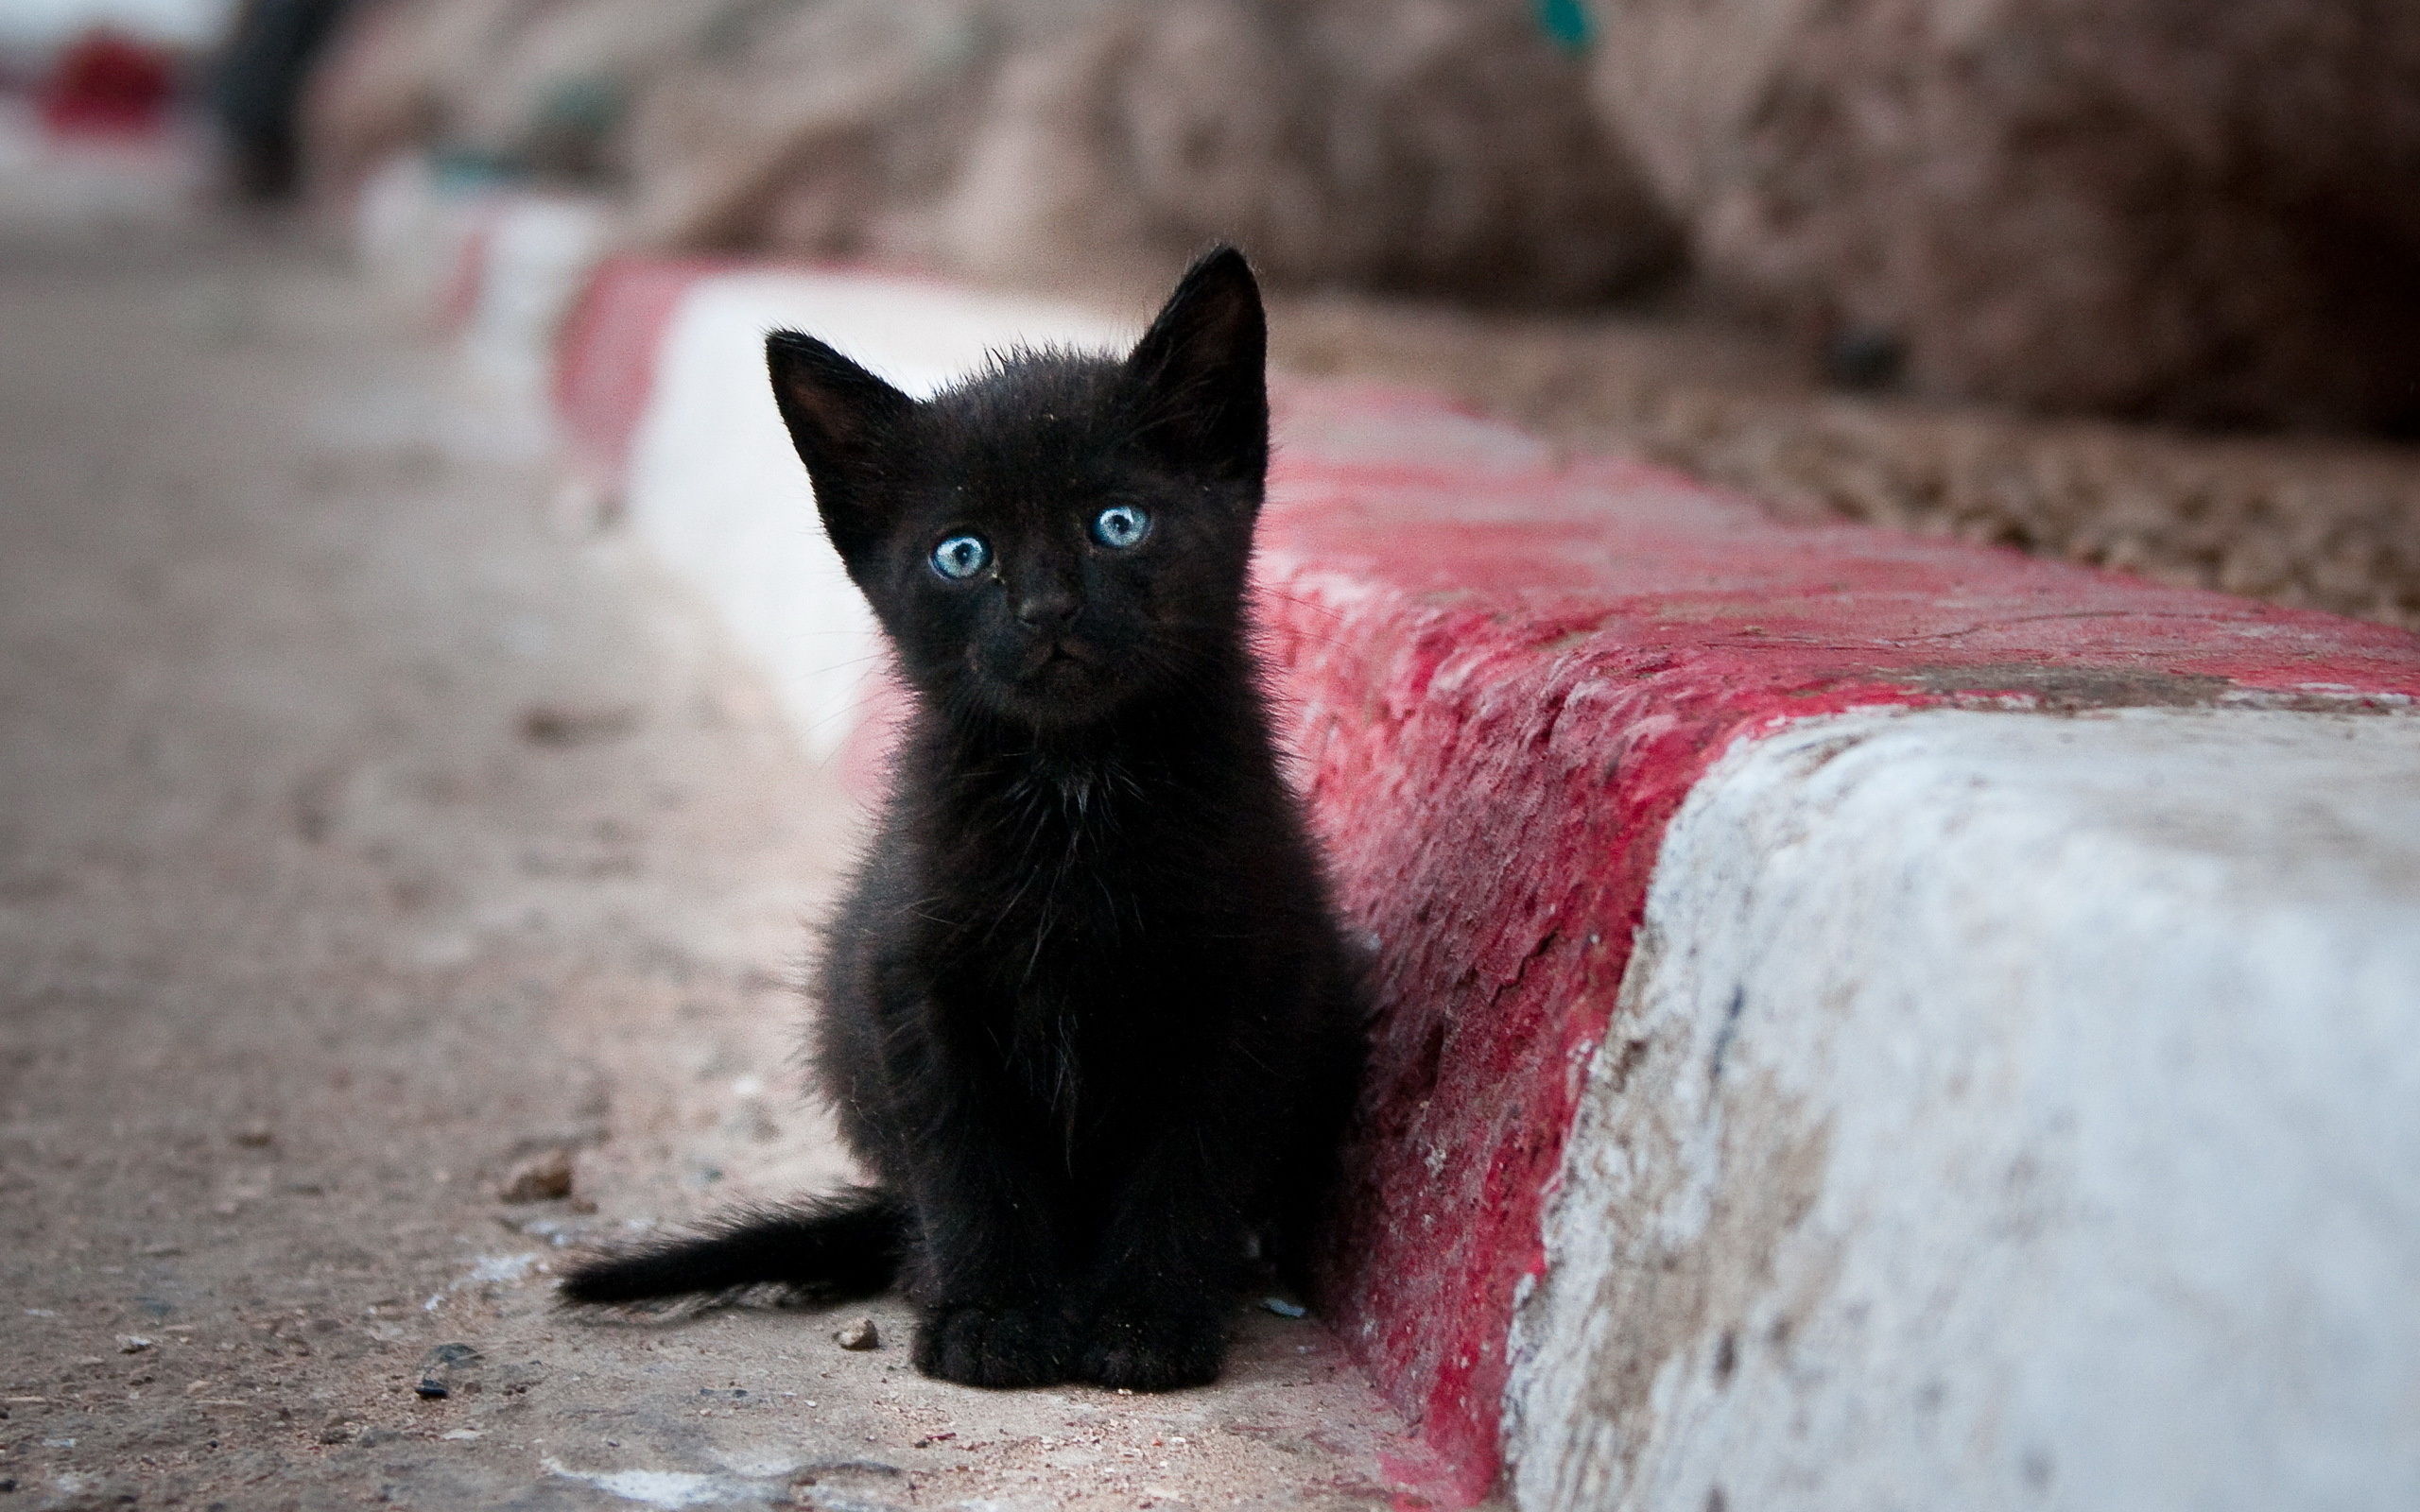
(2142, 206)
(363, 839)
(2117, 1212)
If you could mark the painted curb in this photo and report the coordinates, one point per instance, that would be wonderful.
(1511, 674)
(2002, 1112)
(1505, 675)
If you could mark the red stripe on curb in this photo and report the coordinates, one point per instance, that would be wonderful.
(1503, 678)
(605, 359)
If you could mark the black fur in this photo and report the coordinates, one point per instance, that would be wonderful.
(1087, 1015)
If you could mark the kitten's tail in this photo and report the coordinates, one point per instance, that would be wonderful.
(848, 1244)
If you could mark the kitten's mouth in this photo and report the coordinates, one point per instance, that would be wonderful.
(1057, 656)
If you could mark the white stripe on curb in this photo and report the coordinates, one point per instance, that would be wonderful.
(2003, 1110)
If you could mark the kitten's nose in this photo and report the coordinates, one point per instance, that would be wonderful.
(1046, 607)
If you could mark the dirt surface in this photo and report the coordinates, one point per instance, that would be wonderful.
(2325, 524)
(366, 841)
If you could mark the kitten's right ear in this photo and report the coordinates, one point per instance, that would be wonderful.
(846, 425)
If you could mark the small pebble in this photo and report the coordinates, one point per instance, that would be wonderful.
(1283, 1308)
(133, 1344)
(439, 1368)
(859, 1335)
(545, 1179)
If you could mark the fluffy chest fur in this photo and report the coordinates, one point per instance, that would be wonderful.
(1081, 921)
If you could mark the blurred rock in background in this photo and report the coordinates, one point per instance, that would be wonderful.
(1442, 147)
(499, 88)
(2185, 211)
(1411, 146)
(828, 129)
(2205, 211)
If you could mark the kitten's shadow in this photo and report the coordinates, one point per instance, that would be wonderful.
(1271, 1342)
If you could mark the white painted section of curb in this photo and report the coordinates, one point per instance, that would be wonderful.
(2008, 1111)
(541, 251)
(527, 255)
(718, 493)
(410, 235)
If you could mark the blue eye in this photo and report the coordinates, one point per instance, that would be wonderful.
(1120, 526)
(961, 557)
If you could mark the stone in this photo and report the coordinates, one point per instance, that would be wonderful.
(2149, 208)
(443, 1370)
(861, 1335)
(1395, 144)
(545, 1177)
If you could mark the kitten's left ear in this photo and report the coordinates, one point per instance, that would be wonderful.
(1202, 370)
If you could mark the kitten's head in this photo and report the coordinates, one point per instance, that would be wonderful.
(1060, 535)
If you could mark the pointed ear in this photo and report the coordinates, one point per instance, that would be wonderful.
(1202, 371)
(845, 424)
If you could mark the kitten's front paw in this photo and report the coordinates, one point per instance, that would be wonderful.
(1153, 1350)
(994, 1345)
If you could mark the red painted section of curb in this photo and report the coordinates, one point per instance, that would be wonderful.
(604, 369)
(606, 355)
(1502, 675)
(1503, 678)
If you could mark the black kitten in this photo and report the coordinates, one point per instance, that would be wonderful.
(1087, 1015)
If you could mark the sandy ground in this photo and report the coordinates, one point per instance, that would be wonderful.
(364, 836)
